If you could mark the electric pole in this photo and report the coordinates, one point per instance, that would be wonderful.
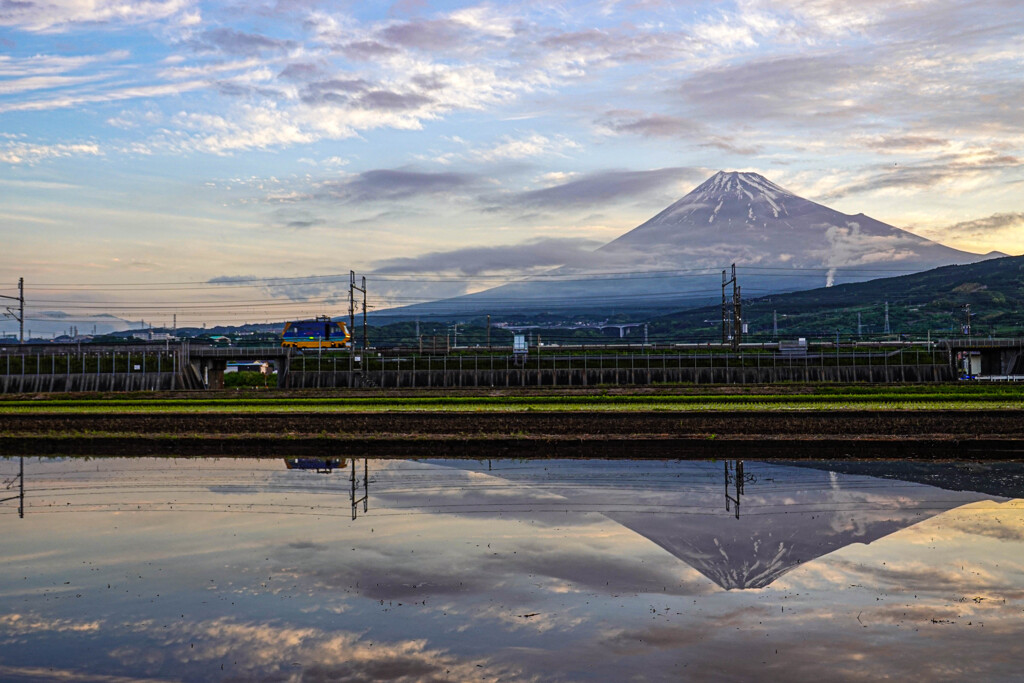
(859, 328)
(351, 320)
(967, 317)
(775, 324)
(737, 312)
(887, 329)
(20, 315)
(732, 324)
(726, 322)
(488, 331)
(363, 289)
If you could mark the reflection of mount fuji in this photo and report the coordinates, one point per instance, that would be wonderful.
(777, 519)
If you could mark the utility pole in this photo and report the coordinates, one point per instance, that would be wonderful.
(20, 315)
(887, 329)
(737, 312)
(726, 332)
(488, 331)
(859, 328)
(645, 334)
(352, 289)
(732, 325)
(352, 321)
(365, 341)
(967, 314)
(775, 324)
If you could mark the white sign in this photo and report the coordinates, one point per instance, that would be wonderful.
(519, 344)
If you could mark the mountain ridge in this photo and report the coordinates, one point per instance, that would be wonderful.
(732, 217)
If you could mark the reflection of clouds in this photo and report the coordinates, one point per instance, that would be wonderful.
(548, 618)
(1004, 523)
(50, 674)
(23, 624)
(552, 563)
(248, 648)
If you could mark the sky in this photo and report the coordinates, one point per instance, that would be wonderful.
(210, 145)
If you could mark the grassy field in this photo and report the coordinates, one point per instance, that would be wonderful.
(803, 398)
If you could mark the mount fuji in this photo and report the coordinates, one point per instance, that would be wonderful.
(780, 243)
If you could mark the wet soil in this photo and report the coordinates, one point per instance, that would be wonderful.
(911, 434)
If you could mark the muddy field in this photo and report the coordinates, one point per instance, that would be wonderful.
(916, 434)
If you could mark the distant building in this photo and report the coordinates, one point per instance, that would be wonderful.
(260, 366)
(150, 335)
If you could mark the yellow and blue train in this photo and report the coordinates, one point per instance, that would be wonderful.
(319, 333)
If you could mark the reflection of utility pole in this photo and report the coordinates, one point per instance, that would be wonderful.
(734, 475)
(365, 500)
(21, 488)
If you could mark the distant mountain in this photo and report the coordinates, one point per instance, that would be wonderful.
(746, 219)
(933, 300)
(779, 241)
(45, 324)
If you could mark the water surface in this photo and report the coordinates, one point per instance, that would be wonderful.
(226, 569)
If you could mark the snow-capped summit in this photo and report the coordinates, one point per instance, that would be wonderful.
(745, 218)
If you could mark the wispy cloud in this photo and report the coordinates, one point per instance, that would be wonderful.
(64, 15)
(595, 189)
(16, 152)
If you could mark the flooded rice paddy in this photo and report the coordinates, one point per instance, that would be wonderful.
(538, 570)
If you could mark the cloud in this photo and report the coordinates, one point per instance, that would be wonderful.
(296, 219)
(385, 99)
(595, 189)
(988, 226)
(996, 221)
(74, 99)
(539, 253)
(653, 125)
(815, 85)
(953, 168)
(61, 15)
(236, 42)
(16, 152)
(902, 143)
(300, 71)
(366, 50)
(333, 90)
(665, 126)
(425, 34)
(392, 184)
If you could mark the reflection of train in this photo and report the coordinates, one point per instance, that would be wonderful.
(322, 465)
(319, 333)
